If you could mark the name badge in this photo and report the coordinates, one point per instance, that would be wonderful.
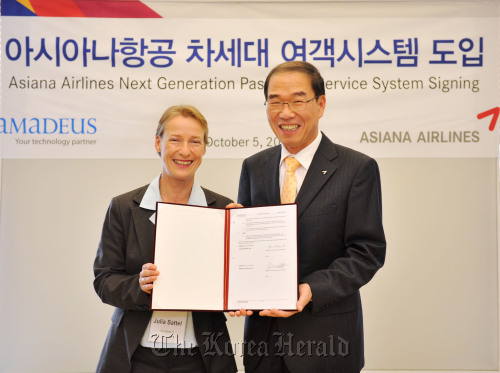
(167, 327)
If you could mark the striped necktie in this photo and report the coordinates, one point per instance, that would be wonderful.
(289, 190)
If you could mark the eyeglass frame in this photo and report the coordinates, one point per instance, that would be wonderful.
(266, 104)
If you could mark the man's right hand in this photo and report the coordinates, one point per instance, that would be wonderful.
(241, 312)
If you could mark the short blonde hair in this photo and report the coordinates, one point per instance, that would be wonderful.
(187, 111)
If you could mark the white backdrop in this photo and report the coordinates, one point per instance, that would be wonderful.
(433, 306)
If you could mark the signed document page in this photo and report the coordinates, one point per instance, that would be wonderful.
(213, 259)
(263, 258)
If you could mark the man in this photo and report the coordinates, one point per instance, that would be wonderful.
(341, 241)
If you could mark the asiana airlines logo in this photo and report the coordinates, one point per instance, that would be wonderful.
(48, 126)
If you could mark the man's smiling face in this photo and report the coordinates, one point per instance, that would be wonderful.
(295, 129)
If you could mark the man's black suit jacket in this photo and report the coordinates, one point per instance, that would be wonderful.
(341, 245)
(127, 242)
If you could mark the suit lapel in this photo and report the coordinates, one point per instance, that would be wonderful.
(209, 197)
(144, 229)
(271, 178)
(322, 168)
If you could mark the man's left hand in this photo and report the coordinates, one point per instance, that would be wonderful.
(305, 296)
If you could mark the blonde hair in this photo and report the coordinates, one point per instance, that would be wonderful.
(187, 111)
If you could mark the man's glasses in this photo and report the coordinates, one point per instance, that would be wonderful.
(277, 106)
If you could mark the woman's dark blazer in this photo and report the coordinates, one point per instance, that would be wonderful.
(127, 242)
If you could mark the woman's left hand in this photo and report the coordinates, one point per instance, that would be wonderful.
(233, 205)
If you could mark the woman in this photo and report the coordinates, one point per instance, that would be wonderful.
(124, 274)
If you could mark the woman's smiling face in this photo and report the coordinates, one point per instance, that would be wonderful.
(181, 147)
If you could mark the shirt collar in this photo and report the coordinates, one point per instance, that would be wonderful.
(305, 156)
(152, 195)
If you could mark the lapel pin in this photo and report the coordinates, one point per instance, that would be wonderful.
(324, 172)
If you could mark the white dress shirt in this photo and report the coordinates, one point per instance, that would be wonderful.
(305, 157)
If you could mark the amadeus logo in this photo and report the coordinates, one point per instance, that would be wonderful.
(48, 126)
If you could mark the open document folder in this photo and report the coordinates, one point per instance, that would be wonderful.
(215, 259)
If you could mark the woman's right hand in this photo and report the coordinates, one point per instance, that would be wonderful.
(148, 275)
